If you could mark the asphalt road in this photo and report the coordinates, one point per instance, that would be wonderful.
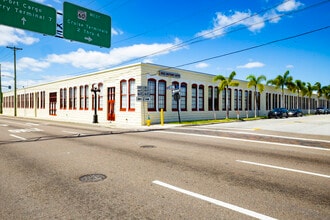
(269, 169)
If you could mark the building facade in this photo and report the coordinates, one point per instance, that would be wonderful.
(131, 94)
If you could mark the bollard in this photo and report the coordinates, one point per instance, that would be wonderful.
(148, 121)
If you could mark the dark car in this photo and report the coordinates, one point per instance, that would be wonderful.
(322, 110)
(278, 113)
(295, 112)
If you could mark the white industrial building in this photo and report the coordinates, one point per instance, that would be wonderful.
(122, 98)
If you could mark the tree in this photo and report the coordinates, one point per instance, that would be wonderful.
(256, 83)
(299, 88)
(318, 88)
(281, 82)
(309, 93)
(224, 85)
(326, 90)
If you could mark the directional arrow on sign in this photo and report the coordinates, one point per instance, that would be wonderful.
(89, 39)
(23, 20)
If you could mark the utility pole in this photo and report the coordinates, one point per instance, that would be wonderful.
(15, 82)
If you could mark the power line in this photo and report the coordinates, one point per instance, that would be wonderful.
(254, 47)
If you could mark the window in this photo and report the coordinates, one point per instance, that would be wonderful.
(152, 92)
(174, 102)
(131, 104)
(100, 97)
(162, 95)
(216, 98)
(86, 97)
(52, 103)
(183, 98)
(240, 99)
(250, 100)
(235, 99)
(70, 98)
(224, 101)
(210, 98)
(123, 95)
(229, 99)
(194, 97)
(81, 97)
(43, 99)
(75, 97)
(201, 98)
(31, 100)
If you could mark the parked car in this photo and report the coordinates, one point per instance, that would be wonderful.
(322, 110)
(278, 113)
(295, 112)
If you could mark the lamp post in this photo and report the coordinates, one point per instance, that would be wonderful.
(95, 90)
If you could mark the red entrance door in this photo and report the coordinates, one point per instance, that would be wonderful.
(111, 104)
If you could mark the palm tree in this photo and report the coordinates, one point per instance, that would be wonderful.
(299, 87)
(318, 88)
(309, 93)
(281, 82)
(327, 94)
(256, 83)
(224, 84)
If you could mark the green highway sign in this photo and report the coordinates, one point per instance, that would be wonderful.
(86, 26)
(28, 15)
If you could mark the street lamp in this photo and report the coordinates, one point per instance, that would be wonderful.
(95, 90)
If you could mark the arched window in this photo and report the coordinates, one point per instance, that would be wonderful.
(131, 103)
(174, 102)
(216, 98)
(152, 94)
(162, 95)
(201, 98)
(123, 95)
(100, 97)
(86, 97)
(210, 98)
(194, 97)
(183, 94)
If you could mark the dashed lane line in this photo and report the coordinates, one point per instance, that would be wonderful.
(215, 201)
(283, 168)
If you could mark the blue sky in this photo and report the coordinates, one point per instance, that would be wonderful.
(193, 35)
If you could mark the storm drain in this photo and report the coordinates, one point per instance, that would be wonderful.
(148, 146)
(92, 178)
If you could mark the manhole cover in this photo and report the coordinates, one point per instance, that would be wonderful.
(92, 178)
(148, 146)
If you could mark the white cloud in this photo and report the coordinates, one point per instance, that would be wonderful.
(252, 21)
(31, 64)
(95, 59)
(201, 65)
(289, 66)
(289, 6)
(13, 36)
(251, 65)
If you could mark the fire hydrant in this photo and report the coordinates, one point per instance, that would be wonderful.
(148, 120)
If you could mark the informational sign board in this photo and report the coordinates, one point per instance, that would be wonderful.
(143, 94)
(28, 15)
(86, 26)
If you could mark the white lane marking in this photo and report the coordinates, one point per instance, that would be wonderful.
(214, 201)
(245, 140)
(31, 124)
(15, 136)
(27, 130)
(74, 133)
(256, 134)
(283, 168)
(3, 125)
